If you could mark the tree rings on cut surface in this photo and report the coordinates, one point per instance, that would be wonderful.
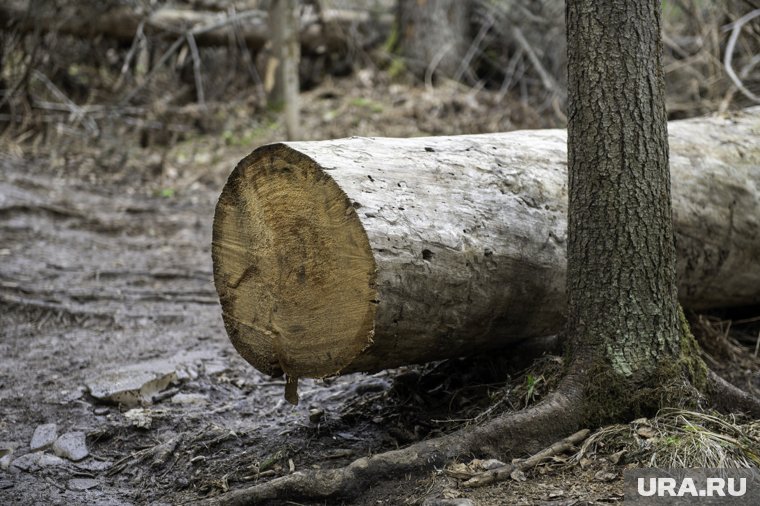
(293, 266)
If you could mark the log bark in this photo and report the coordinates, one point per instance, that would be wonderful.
(87, 20)
(366, 253)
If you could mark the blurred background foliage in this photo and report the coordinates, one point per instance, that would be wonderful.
(149, 74)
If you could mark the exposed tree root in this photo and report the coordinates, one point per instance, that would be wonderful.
(503, 473)
(729, 398)
(528, 431)
(508, 435)
(349, 481)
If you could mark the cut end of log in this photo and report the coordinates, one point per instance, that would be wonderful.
(293, 266)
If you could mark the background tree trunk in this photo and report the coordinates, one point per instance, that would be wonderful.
(623, 311)
(283, 66)
(429, 248)
(434, 35)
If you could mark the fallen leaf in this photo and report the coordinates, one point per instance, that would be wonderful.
(605, 476)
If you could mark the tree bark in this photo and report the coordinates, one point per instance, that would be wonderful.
(624, 322)
(361, 254)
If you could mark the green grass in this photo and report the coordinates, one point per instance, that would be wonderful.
(367, 103)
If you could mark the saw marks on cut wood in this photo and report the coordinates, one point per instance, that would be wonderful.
(292, 266)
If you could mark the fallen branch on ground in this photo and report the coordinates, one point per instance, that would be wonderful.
(505, 472)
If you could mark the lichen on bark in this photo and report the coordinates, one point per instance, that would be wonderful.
(677, 380)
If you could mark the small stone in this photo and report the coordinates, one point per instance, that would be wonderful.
(47, 460)
(133, 385)
(71, 446)
(101, 411)
(185, 399)
(187, 373)
(28, 462)
(139, 417)
(7, 447)
(80, 484)
(70, 396)
(316, 414)
(6, 454)
(605, 476)
(4, 484)
(44, 436)
(213, 368)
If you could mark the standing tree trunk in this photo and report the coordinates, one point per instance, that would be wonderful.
(434, 35)
(623, 318)
(286, 49)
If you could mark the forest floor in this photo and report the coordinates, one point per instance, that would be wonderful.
(110, 326)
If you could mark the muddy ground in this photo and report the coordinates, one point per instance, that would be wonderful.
(110, 326)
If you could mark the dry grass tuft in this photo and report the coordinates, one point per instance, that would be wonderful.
(678, 438)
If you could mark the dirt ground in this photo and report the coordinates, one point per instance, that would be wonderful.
(110, 326)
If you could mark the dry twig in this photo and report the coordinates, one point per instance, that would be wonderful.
(196, 68)
(736, 30)
(77, 113)
(546, 79)
(505, 472)
(186, 36)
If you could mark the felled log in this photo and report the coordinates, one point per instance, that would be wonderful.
(326, 31)
(366, 253)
